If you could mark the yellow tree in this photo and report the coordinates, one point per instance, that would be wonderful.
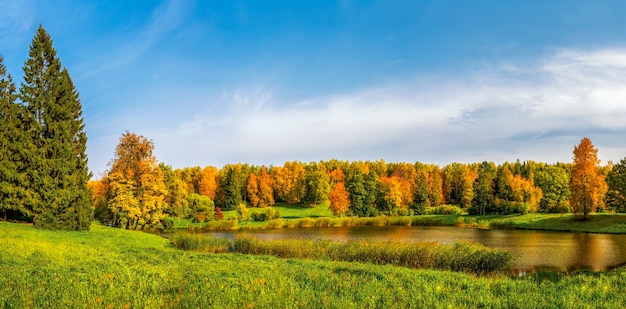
(586, 183)
(339, 199)
(524, 190)
(136, 187)
(289, 182)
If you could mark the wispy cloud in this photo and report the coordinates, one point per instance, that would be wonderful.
(166, 17)
(501, 113)
(16, 19)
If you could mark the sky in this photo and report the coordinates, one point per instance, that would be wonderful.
(265, 82)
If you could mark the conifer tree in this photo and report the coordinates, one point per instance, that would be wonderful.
(13, 148)
(58, 166)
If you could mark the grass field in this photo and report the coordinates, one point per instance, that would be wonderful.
(112, 268)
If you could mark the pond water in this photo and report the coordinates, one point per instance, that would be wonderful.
(534, 250)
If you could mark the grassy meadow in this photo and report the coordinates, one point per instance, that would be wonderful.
(113, 268)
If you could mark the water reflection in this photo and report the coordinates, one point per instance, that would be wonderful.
(534, 249)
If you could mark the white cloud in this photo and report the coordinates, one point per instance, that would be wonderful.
(502, 113)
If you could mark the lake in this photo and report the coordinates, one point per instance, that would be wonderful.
(534, 250)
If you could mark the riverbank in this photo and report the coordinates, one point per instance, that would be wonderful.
(109, 267)
(597, 223)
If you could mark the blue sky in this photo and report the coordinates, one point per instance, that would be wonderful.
(264, 82)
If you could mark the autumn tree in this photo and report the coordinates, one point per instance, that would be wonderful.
(266, 188)
(259, 188)
(99, 195)
(58, 166)
(585, 181)
(13, 149)
(435, 193)
(207, 181)
(137, 187)
(339, 200)
(524, 191)
(289, 182)
(337, 176)
(389, 194)
(253, 190)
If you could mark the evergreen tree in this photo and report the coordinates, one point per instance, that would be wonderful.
(616, 180)
(58, 166)
(483, 198)
(13, 180)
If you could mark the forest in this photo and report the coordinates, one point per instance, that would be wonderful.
(138, 193)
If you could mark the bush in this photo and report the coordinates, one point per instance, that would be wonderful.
(269, 214)
(502, 224)
(243, 214)
(459, 221)
(168, 223)
(444, 210)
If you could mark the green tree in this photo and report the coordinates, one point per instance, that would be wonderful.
(554, 183)
(616, 181)
(176, 199)
(317, 185)
(58, 167)
(233, 180)
(13, 148)
(421, 200)
(202, 207)
(483, 197)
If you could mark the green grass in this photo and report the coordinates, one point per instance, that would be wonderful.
(111, 268)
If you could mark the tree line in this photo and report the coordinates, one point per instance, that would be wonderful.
(43, 161)
(137, 192)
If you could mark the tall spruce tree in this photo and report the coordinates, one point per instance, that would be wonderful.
(58, 167)
(13, 148)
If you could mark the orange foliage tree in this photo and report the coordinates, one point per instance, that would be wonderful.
(586, 183)
(207, 181)
(524, 190)
(339, 199)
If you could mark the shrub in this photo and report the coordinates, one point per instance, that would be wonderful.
(459, 221)
(243, 214)
(444, 210)
(219, 215)
(168, 223)
(269, 214)
(502, 224)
